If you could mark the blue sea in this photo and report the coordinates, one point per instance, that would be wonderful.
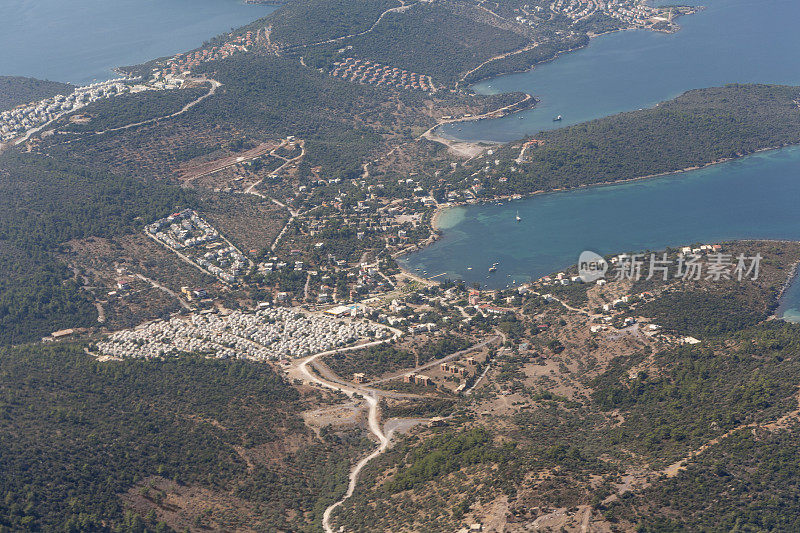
(731, 41)
(81, 41)
(755, 197)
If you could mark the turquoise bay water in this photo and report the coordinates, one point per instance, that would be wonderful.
(752, 198)
(789, 309)
(732, 41)
(80, 41)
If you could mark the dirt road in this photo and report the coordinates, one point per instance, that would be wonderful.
(373, 419)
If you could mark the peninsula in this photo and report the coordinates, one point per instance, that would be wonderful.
(204, 326)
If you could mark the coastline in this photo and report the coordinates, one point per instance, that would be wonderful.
(470, 149)
(791, 279)
(694, 10)
(435, 217)
(542, 62)
(522, 196)
(441, 208)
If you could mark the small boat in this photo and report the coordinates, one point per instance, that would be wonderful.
(469, 268)
(522, 118)
(557, 119)
(518, 217)
(492, 268)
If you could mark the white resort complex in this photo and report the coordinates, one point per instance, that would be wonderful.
(261, 335)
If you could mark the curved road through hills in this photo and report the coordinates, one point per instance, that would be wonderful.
(373, 416)
(301, 369)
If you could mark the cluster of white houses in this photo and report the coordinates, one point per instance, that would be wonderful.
(16, 122)
(187, 233)
(634, 12)
(363, 71)
(261, 335)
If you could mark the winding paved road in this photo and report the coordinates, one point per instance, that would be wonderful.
(214, 85)
(327, 378)
(398, 9)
